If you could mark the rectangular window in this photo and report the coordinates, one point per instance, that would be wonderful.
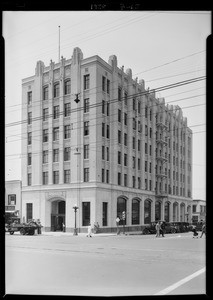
(107, 151)
(55, 177)
(146, 111)
(134, 124)
(29, 211)
(146, 184)
(119, 136)
(125, 139)
(67, 152)
(12, 199)
(107, 176)
(150, 167)
(133, 162)
(67, 109)
(145, 166)
(55, 155)
(150, 185)
(45, 114)
(145, 148)
(86, 105)
(139, 164)
(56, 134)
(67, 87)
(125, 159)
(133, 142)
(29, 119)
(45, 156)
(45, 135)
(103, 129)
(86, 151)
(103, 107)
(119, 157)
(105, 212)
(139, 107)
(56, 112)
(56, 90)
(29, 138)
(107, 133)
(29, 159)
(66, 176)
(45, 92)
(103, 175)
(125, 98)
(139, 145)
(67, 131)
(134, 104)
(85, 213)
(45, 178)
(108, 86)
(139, 182)
(103, 83)
(107, 108)
(119, 94)
(29, 179)
(119, 178)
(86, 128)
(86, 82)
(86, 174)
(119, 115)
(125, 179)
(125, 118)
(103, 152)
(133, 181)
(29, 98)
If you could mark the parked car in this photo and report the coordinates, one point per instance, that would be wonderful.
(150, 228)
(181, 226)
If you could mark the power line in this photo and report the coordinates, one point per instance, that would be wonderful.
(111, 122)
(174, 85)
(111, 115)
(142, 137)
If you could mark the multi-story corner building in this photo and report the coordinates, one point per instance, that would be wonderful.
(117, 149)
(198, 210)
(13, 203)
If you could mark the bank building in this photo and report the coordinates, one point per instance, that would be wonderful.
(96, 139)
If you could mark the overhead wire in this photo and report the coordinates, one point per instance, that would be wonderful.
(174, 85)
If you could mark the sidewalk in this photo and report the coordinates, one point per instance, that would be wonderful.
(82, 234)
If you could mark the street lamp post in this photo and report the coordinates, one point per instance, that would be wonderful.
(75, 207)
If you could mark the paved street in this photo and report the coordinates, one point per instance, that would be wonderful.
(63, 264)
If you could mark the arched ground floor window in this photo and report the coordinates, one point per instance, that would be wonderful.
(166, 212)
(157, 210)
(135, 211)
(121, 206)
(147, 211)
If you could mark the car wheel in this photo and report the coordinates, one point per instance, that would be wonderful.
(173, 230)
(22, 231)
(11, 232)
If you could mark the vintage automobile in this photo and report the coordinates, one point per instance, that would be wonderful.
(150, 228)
(24, 228)
(181, 226)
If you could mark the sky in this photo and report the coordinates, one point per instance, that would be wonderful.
(161, 47)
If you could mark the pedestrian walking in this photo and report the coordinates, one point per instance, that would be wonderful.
(89, 230)
(117, 224)
(63, 227)
(162, 228)
(158, 227)
(203, 230)
(195, 234)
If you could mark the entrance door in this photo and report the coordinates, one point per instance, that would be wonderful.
(57, 215)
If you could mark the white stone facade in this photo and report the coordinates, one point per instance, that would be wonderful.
(118, 141)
